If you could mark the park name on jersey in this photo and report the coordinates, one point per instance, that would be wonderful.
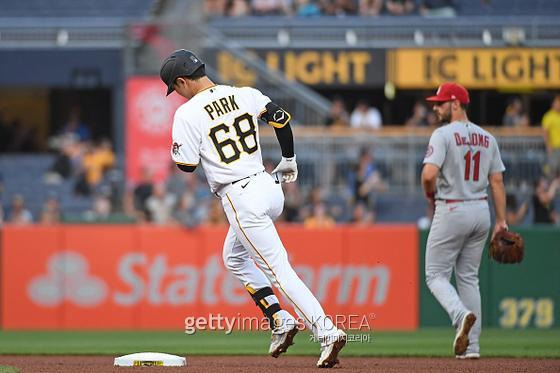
(474, 139)
(221, 106)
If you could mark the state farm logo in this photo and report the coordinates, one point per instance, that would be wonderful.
(67, 279)
(157, 281)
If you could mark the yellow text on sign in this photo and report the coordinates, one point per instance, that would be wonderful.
(309, 67)
(475, 68)
(526, 312)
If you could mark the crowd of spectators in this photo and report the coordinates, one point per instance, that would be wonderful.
(184, 198)
(336, 8)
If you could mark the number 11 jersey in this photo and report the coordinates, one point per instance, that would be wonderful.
(218, 127)
(466, 155)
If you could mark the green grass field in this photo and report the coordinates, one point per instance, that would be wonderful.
(424, 342)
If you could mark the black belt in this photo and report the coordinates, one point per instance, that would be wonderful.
(247, 177)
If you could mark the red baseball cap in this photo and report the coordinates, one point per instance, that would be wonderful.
(449, 92)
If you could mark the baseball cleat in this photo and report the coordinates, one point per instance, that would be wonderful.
(279, 342)
(468, 356)
(461, 341)
(329, 353)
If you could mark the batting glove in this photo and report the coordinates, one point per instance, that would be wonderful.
(287, 168)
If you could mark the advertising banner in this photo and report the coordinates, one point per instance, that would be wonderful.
(488, 68)
(314, 67)
(149, 118)
(143, 277)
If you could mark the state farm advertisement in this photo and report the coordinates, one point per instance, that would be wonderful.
(144, 277)
(149, 118)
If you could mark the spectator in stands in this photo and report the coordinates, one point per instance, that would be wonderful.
(216, 215)
(176, 182)
(101, 209)
(160, 205)
(142, 192)
(292, 203)
(189, 212)
(362, 215)
(515, 213)
(129, 209)
(551, 126)
(319, 217)
(543, 201)
(62, 167)
(308, 8)
(214, 8)
(419, 114)
(75, 126)
(18, 213)
(237, 8)
(370, 8)
(437, 8)
(431, 119)
(366, 179)
(365, 116)
(339, 8)
(338, 116)
(515, 115)
(399, 7)
(97, 161)
(269, 7)
(51, 211)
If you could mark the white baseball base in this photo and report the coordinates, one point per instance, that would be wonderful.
(150, 359)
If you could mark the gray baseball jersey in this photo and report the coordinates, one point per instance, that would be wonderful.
(466, 155)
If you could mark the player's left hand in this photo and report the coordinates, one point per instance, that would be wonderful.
(288, 169)
(499, 227)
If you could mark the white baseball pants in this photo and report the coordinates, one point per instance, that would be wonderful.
(254, 253)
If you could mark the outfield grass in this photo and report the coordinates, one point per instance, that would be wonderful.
(424, 342)
(8, 369)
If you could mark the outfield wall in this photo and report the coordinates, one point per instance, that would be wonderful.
(148, 277)
(522, 295)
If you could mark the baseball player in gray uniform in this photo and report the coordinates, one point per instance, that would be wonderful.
(460, 162)
(218, 128)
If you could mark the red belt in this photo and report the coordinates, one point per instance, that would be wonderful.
(463, 200)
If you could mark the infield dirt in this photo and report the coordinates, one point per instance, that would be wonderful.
(298, 364)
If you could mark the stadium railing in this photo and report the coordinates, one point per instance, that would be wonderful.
(327, 156)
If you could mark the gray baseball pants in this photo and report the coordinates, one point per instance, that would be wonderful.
(456, 241)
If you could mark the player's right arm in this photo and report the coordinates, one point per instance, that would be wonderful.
(185, 150)
(433, 160)
(279, 118)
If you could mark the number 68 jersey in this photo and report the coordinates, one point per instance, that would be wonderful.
(218, 127)
(466, 155)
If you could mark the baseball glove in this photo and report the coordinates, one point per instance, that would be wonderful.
(507, 247)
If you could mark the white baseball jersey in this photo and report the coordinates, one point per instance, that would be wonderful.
(466, 155)
(218, 127)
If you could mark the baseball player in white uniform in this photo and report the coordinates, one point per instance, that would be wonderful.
(218, 128)
(460, 162)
